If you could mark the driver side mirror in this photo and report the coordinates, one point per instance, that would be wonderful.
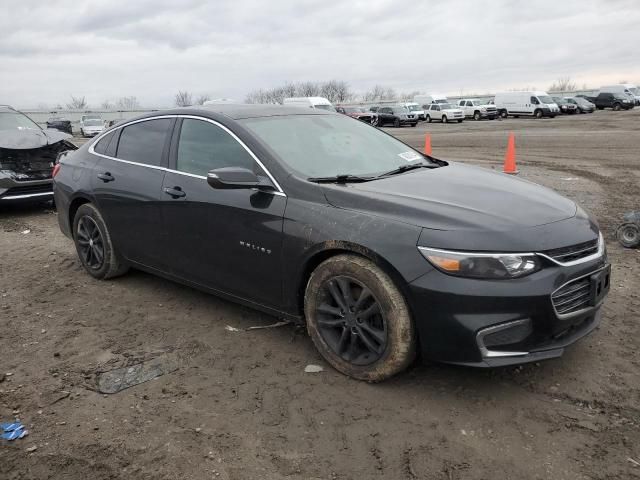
(237, 178)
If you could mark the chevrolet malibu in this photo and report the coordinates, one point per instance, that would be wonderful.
(381, 251)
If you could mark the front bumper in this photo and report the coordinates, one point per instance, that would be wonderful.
(490, 323)
(19, 191)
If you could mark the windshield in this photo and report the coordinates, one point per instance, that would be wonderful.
(414, 108)
(559, 101)
(445, 106)
(329, 108)
(354, 110)
(635, 91)
(15, 120)
(545, 99)
(328, 145)
(93, 122)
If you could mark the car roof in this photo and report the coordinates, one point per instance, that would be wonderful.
(241, 111)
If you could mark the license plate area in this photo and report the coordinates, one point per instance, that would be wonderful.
(600, 284)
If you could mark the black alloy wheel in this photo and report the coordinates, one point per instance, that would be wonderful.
(396, 123)
(351, 321)
(90, 243)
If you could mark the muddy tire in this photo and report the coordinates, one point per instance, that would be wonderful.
(94, 246)
(537, 113)
(358, 319)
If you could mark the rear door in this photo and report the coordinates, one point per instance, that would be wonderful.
(127, 185)
(228, 240)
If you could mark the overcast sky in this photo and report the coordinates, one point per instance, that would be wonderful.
(104, 50)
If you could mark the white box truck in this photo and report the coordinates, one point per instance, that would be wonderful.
(425, 100)
(536, 104)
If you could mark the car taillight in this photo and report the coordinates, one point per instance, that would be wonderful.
(56, 169)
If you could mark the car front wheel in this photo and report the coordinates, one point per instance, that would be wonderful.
(358, 319)
(94, 246)
(428, 119)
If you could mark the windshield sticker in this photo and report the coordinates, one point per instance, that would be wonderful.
(409, 156)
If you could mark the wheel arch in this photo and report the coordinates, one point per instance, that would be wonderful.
(332, 248)
(74, 205)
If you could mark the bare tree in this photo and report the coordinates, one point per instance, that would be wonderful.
(335, 91)
(307, 89)
(127, 103)
(205, 97)
(563, 84)
(77, 103)
(106, 105)
(184, 99)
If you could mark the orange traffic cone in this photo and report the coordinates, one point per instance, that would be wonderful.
(427, 144)
(510, 157)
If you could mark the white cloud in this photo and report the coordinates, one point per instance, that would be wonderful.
(152, 48)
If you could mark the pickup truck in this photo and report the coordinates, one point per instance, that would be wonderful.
(477, 109)
(617, 101)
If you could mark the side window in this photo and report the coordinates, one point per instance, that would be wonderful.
(204, 146)
(535, 101)
(469, 103)
(143, 142)
(436, 108)
(103, 144)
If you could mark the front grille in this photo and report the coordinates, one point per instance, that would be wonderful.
(572, 297)
(29, 189)
(574, 252)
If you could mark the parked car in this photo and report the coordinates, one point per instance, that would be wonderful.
(582, 104)
(310, 102)
(27, 157)
(477, 109)
(415, 109)
(359, 113)
(565, 106)
(443, 112)
(60, 123)
(91, 125)
(307, 215)
(396, 115)
(616, 101)
(432, 98)
(374, 108)
(536, 104)
(632, 91)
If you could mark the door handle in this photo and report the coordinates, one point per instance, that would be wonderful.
(174, 192)
(106, 177)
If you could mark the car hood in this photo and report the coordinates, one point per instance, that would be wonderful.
(473, 201)
(24, 139)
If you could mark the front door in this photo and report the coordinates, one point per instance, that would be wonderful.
(228, 240)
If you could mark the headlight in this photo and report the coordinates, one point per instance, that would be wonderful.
(482, 265)
(483, 109)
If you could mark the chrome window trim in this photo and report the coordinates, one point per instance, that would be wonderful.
(486, 353)
(92, 151)
(572, 263)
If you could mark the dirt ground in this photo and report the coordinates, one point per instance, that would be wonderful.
(240, 405)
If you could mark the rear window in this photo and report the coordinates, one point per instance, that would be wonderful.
(143, 142)
(107, 145)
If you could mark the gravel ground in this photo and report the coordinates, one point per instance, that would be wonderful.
(240, 406)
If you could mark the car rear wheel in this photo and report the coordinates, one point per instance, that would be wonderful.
(477, 116)
(504, 114)
(444, 119)
(396, 123)
(358, 319)
(94, 246)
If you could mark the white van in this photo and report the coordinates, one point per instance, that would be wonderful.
(424, 100)
(310, 102)
(536, 104)
(632, 91)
